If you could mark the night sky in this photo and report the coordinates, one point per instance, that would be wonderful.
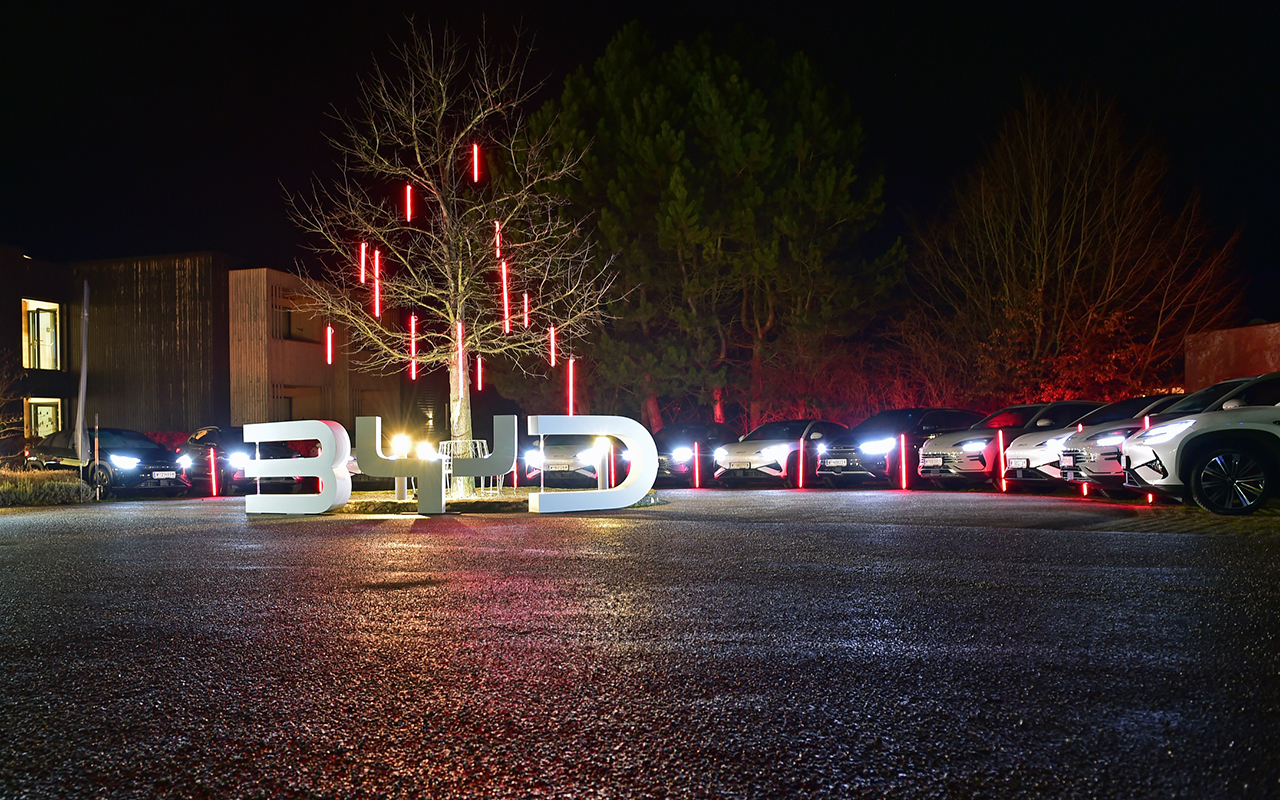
(134, 130)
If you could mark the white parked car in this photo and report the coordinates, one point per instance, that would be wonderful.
(1228, 461)
(772, 453)
(974, 455)
(569, 460)
(1034, 459)
(1093, 455)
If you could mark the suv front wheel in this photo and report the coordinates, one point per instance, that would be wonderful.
(1232, 480)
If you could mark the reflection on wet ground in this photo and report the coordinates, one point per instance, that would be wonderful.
(724, 644)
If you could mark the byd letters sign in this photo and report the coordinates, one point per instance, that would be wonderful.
(330, 466)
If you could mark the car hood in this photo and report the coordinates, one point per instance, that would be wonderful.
(1078, 438)
(948, 441)
(750, 448)
(1035, 440)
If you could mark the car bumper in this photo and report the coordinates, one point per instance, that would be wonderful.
(1146, 470)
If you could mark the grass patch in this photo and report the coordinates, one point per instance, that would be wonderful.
(42, 488)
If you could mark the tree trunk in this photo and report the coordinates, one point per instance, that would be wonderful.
(650, 411)
(718, 408)
(460, 416)
(755, 408)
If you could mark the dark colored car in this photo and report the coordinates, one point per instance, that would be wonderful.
(686, 451)
(127, 461)
(874, 448)
(227, 447)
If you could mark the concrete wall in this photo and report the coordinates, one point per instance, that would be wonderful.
(1214, 356)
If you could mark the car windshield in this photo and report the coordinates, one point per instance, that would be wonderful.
(1114, 412)
(903, 419)
(121, 439)
(1196, 402)
(675, 435)
(790, 429)
(1011, 417)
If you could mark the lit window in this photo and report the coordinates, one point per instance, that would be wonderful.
(40, 335)
(43, 417)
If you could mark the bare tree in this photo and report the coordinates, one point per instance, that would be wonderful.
(1060, 269)
(12, 425)
(441, 225)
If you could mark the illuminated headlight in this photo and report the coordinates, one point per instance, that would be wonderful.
(777, 452)
(822, 449)
(1054, 445)
(238, 460)
(184, 461)
(124, 462)
(721, 454)
(533, 458)
(975, 445)
(591, 455)
(681, 455)
(1110, 440)
(625, 455)
(878, 447)
(1163, 433)
(426, 452)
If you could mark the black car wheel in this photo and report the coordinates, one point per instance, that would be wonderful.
(1232, 480)
(100, 478)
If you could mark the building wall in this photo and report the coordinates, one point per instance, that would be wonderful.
(158, 348)
(1214, 356)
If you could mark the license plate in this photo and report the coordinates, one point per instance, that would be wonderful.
(930, 461)
(836, 462)
(1067, 461)
(740, 465)
(169, 474)
(1017, 463)
(558, 467)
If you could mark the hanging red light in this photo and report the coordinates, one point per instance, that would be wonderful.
(328, 344)
(479, 374)
(413, 347)
(497, 239)
(553, 345)
(408, 202)
(571, 387)
(506, 302)
(526, 309)
(364, 258)
(475, 163)
(377, 284)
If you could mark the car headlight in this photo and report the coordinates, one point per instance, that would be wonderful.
(878, 447)
(681, 455)
(1163, 433)
(822, 449)
(238, 460)
(533, 458)
(975, 445)
(720, 454)
(184, 461)
(124, 462)
(1109, 439)
(625, 455)
(1054, 445)
(591, 455)
(776, 452)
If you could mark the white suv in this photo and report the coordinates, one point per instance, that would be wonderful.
(1228, 461)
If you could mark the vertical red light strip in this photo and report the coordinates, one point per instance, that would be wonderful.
(526, 309)
(902, 458)
(1004, 485)
(475, 163)
(1151, 498)
(364, 259)
(461, 359)
(377, 283)
(1146, 422)
(571, 387)
(328, 344)
(697, 477)
(497, 239)
(800, 462)
(408, 202)
(213, 471)
(479, 374)
(412, 347)
(553, 345)
(1084, 490)
(506, 302)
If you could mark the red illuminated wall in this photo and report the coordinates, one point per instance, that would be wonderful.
(1233, 353)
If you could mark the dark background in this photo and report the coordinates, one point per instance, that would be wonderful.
(135, 129)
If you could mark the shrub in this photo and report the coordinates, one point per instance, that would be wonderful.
(42, 488)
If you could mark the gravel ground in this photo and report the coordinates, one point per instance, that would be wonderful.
(740, 644)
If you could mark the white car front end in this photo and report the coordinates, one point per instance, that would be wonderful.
(968, 455)
(766, 458)
(1093, 454)
(1151, 456)
(1034, 457)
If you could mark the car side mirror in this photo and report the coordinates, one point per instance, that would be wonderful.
(815, 435)
(1044, 423)
(1234, 402)
(742, 437)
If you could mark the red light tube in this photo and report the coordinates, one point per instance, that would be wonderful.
(800, 462)
(475, 163)
(697, 478)
(902, 457)
(408, 202)
(479, 373)
(328, 344)
(1084, 490)
(413, 347)
(377, 284)
(571, 387)
(553, 345)
(364, 258)
(1151, 498)
(213, 471)
(1004, 485)
(526, 309)
(1146, 422)
(497, 239)
(506, 301)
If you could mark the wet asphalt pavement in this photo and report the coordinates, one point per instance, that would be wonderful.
(739, 644)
